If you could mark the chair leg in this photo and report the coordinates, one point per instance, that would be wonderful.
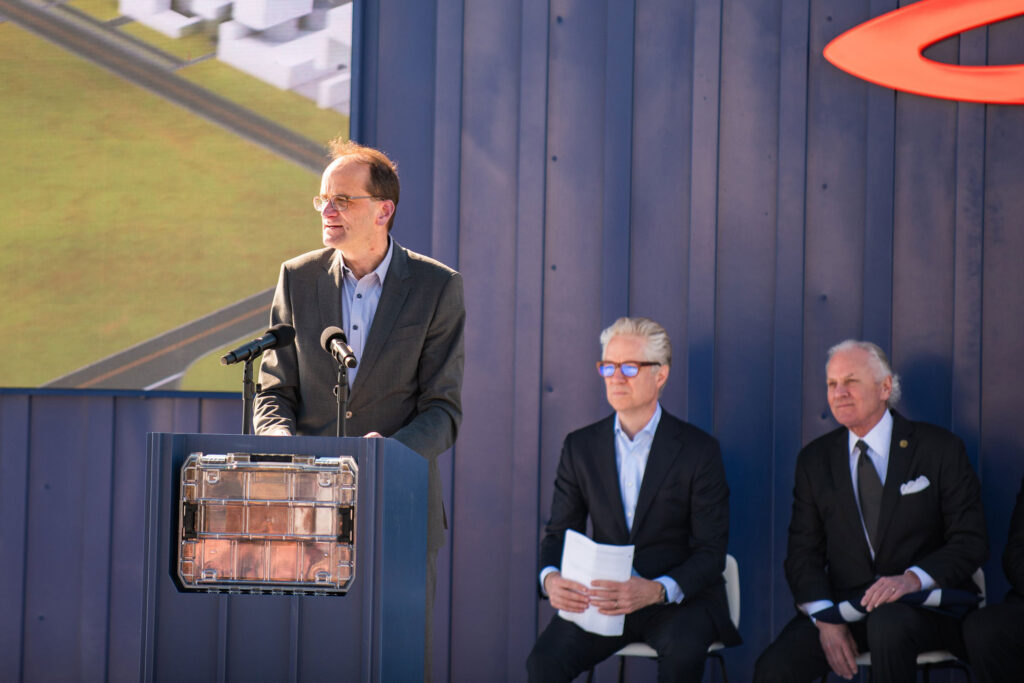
(711, 655)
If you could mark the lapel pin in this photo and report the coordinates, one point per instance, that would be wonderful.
(903, 443)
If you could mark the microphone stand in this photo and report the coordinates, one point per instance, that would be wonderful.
(248, 397)
(341, 396)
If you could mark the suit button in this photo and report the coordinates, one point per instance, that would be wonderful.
(348, 415)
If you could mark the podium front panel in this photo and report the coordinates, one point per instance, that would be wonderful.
(372, 633)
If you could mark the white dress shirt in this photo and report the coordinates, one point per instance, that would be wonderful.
(878, 440)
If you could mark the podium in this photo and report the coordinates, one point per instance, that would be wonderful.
(372, 633)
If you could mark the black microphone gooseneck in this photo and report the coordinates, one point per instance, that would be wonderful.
(334, 342)
(277, 337)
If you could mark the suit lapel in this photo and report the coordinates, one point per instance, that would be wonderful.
(328, 290)
(607, 475)
(839, 462)
(392, 298)
(901, 448)
(665, 448)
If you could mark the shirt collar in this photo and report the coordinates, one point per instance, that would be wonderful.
(878, 439)
(647, 431)
(380, 271)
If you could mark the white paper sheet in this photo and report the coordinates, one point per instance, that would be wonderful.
(583, 560)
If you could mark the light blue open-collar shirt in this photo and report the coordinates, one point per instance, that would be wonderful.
(359, 305)
(631, 462)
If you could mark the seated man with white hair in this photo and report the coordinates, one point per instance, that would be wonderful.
(884, 511)
(650, 480)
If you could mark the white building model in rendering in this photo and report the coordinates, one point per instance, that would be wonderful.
(300, 45)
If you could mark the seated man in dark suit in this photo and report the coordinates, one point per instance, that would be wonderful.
(647, 479)
(882, 508)
(995, 634)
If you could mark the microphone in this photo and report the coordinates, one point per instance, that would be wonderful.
(277, 337)
(334, 342)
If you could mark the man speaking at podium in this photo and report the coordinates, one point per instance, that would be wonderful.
(403, 315)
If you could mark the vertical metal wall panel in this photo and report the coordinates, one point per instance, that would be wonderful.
(787, 379)
(366, 40)
(15, 439)
(487, 228)
(185, 416)
(658, 254)
(447, 131)
(923, 253)
(571, 390)
(879, 143)
(445, 248)
(834, 247)
(68, 539)
(1002, 438)
(218, 416)
(968, 280)
(616, 201)
(703, 213)
(571, 393)
(133, 418)
(529, 311)
(746, 231)
(401, 42)
(877, 277)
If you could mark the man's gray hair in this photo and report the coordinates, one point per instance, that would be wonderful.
(879, 361)
(659, 347)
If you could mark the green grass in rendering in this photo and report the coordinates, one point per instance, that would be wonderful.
(124, 215)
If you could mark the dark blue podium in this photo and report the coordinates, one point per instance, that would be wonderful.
(373, 633)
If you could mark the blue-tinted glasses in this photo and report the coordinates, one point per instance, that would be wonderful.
(629, 369)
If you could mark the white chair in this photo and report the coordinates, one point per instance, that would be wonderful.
(731, 575)
(935, 659)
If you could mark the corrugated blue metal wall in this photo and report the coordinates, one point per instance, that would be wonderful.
(72, 513)
(696, 161)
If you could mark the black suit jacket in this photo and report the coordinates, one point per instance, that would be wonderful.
(681, 524)
(410, 375)
(1013, 556)
(940, 529)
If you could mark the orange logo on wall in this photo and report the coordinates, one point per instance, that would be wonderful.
(887, 51)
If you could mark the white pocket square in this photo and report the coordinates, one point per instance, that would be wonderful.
(914, 485)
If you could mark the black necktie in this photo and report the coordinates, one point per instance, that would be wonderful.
(869, 486)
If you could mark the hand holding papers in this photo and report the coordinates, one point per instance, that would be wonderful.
(584, 561)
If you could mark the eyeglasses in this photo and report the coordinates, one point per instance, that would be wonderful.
(631, 368)
(340, 202)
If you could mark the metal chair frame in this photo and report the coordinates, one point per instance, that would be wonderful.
(731, 576)
(932, 659)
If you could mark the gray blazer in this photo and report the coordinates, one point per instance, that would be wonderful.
(410, 375)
